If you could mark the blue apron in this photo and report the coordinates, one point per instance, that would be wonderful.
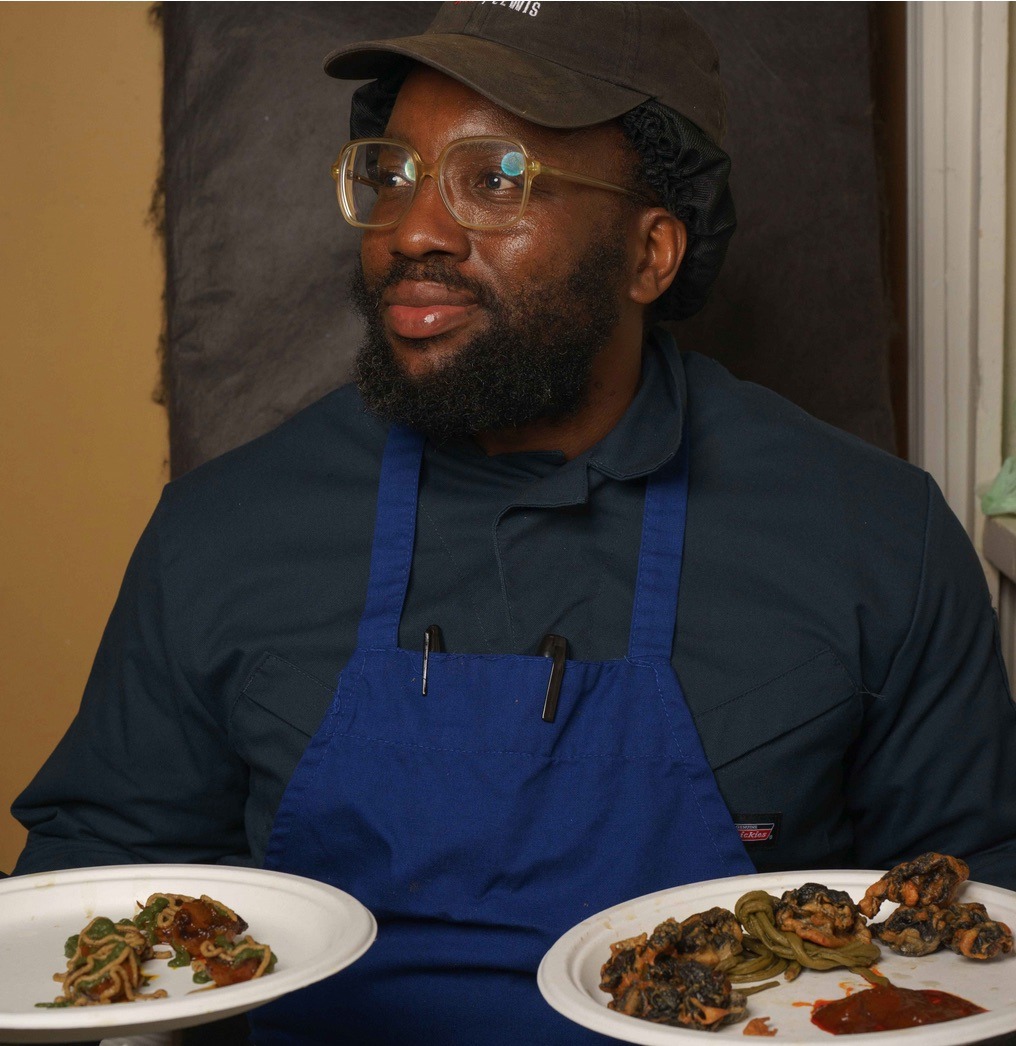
(477, 832)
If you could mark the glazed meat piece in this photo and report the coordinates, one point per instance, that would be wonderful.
(184, 922)
(931, 879)
(231, 964)
(156, 915)
(711, 938)
(912, 931)
(203, 920)
(828, 918)
(693, 996)
(968, 930)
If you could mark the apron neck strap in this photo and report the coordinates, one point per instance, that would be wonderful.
(654, 613)
(394, 534)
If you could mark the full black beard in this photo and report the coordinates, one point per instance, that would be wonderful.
(533, 362)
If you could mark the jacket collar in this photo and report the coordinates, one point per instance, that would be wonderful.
(646, 438)
(649, 433)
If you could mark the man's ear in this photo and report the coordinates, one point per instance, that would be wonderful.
(661, 240)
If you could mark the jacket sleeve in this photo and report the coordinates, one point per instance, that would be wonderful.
(935, 767)
(144, 773)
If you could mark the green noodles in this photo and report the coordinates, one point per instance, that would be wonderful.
(775, 951)
(104, 960)
(104, 965)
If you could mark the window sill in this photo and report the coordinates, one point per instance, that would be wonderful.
(999, 544)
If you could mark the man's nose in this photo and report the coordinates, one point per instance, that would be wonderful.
(428, 227)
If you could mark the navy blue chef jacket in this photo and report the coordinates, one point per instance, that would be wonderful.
(834, 639)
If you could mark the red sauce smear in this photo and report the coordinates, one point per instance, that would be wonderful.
(887, 1008)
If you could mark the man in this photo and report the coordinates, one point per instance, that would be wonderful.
(669, 606)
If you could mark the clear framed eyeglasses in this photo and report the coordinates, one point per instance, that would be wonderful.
(484, 182)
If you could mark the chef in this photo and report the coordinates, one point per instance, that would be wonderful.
(604, 620)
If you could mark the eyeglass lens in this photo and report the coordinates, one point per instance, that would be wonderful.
(482, 182)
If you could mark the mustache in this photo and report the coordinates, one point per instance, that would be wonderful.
(432, 271)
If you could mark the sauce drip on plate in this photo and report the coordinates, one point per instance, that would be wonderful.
(887, 1008)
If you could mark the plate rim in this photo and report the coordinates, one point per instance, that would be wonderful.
(241, 997)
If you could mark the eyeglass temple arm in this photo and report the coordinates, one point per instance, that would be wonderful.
(585, 179)
(352, 176)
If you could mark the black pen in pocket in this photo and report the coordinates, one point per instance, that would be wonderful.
(555, 647)
(433, 643)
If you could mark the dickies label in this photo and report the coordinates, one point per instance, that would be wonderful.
(760, 830)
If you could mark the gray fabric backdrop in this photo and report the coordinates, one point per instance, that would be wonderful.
(258, 257)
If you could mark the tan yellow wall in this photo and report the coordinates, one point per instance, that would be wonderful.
(82, 444)
(1009, 391)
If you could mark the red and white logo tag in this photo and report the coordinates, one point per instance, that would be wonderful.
(759, 830)
(756, 833)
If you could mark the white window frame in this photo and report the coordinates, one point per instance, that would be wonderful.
(957, 115)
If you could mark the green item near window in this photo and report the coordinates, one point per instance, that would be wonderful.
(1000, 497)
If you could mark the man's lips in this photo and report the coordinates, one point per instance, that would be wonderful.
(414, 310)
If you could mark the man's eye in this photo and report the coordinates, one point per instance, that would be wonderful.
(497, 181)
(392, 179)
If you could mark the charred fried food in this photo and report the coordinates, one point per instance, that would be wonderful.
(985, 941)
(911, 931)
(627, 959)
(931, 879)
(642, 957)
(958, 916)
(965, 928)
(668, 977)
(692, 996)
(712, 938)
(828, 918)
(969, 931)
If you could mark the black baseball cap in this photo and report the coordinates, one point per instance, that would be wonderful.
(561, 64)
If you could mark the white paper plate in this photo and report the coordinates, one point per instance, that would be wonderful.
(314, 929)
(569, 975)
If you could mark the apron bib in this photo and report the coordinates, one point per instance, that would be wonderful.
(476, 832)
